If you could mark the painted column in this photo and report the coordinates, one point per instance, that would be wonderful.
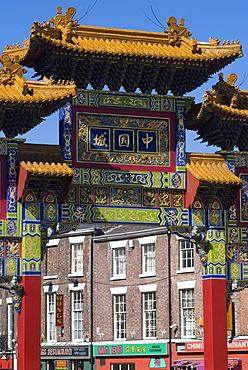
(214, 303)
(29, 319)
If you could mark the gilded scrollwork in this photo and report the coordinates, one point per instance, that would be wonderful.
(149, 198)
(125, 197)
(101, 195)
(177, 199)
(231, 252)
(164, 198)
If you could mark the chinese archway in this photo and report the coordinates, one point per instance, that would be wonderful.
(122, 155)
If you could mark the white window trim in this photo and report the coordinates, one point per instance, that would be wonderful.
(118, 244)
(80, 286)
(47, 326)
(148, 239)
(53, 243)
(147, 274)
(50, 277)
(9, 300)
(115, 328)
(54, 289)
(143, 318)
(187, 288)
(186, 269)
(148, 288)
(10, 310)
(118, 291)
(72, 322)
(76, 239)
(186, 284)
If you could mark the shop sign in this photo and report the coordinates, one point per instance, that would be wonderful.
(157, 363)
(59, 310)
(71, 351)
(235, 345)
(61, 365)
(138, 349)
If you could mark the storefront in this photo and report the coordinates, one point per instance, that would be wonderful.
(5, 364)
(131, 355)
(65, 357)
(190, 355)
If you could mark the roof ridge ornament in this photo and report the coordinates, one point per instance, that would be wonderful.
(63, 24)
(176, 32)
(11, 68)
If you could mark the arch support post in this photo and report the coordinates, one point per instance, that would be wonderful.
(214, 303)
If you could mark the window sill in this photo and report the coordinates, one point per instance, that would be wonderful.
(50, 277)
(150, 274)
(120, 339)
(118, 277)
(149, 338)
(186, 270)
(76, 274)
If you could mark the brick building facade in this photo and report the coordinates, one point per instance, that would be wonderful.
(139, 299)
(138, 293)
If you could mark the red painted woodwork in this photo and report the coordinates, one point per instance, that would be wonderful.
(29, 325)
(192, 186)
(21, 182)
(215, 324)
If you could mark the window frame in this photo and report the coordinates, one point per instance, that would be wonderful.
(121, 365)
(147, 312)
(118, 322)
(10, 323)
(77, 260)
(50, 318)
(75, 312)
(186, 254)
(146, 257)
(191, 330)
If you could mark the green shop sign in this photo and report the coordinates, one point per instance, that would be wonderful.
(130, 349)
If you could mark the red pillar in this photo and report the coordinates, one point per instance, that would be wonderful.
(215, 324)
(29, 325)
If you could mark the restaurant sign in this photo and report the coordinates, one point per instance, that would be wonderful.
(235, 345)
(65, 351)
(59, 310)
(137, 349)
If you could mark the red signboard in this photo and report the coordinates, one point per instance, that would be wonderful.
(235, 345)
(61, 365)
(59, 310)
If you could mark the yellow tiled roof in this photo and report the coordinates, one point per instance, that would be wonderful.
(48, 169)
(32, 92)
(125, 43)
(211, 106)
(211, 168)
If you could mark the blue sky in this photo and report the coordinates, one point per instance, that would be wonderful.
(224, 19)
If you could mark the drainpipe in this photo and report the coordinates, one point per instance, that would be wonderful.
(95, 232)
(91, 301)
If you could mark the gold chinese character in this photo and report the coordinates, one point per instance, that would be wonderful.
(124, 140)
(147, 140)
(100, 140)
